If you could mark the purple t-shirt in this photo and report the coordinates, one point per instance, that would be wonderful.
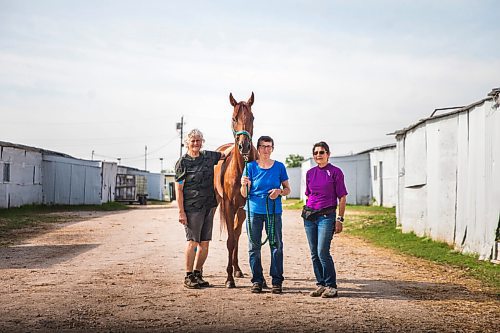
(324, 186)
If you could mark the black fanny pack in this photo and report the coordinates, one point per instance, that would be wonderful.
(313, 214)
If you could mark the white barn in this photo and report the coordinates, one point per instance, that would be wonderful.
(449, 177)
(20, 175)
(384, 175)
(294, 175)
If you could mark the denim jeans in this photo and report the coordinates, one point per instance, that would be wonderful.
(257, 223)
(319, 235)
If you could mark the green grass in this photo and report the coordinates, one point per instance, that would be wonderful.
(293, 204)
(378, 225)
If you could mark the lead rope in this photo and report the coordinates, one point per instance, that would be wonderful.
(270, 227)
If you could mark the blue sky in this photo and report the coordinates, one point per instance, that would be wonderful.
(114, 76)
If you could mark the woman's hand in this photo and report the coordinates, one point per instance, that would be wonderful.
(338, 227)
(274, 193)
(182, 218)
(245, 181)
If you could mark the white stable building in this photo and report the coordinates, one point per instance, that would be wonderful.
(449, 177)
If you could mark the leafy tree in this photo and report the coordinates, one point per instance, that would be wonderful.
(294, 160)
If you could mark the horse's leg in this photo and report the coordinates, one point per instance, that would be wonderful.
(230, 247)
(240, 219)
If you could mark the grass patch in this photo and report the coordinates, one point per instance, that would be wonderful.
(14, 221)
(293, 204)
(378, 225)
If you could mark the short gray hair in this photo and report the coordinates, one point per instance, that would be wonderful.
(194, 132)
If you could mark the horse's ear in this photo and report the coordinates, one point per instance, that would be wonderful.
(232, 100)
(250, 100)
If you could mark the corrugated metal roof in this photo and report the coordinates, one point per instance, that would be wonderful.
(491, 96)
(35, 149)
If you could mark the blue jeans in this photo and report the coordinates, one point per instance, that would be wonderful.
(319, 235)
(257, 223)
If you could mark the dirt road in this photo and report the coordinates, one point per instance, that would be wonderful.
(123, 271)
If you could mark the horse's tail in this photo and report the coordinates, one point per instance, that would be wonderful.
(222, 213)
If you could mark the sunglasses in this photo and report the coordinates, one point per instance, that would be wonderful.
(321, 152)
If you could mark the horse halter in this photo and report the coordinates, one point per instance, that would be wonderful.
(242, 132)
(249, 136)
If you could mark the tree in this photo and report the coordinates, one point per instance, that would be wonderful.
(294, 160)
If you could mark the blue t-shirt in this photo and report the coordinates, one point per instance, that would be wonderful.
(264, 180)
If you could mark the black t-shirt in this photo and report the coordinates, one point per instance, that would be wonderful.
(198, 176)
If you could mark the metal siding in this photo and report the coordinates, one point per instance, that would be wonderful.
(306, 165)
(154, 186)
(108, 178)
(389, 159)
(441, 177)
(356, 169)
(416, 159)
(294, 181)
(49, 182)
(92, 185)
(77, 194)
(4, 194)
(400, 146)
(23, 188)
(414, 216)
(463, 213)
(62, 188)
(493, 190)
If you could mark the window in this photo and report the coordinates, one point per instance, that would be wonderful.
(6, 172)
(374, 172)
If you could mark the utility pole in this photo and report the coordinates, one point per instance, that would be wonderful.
(145, 158)
(161, 162)
(119, 160)
(92, 155)
(180, 126)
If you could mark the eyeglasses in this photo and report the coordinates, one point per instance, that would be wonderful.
(321, 152)
(266, 146)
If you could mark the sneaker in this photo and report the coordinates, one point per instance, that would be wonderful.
(318, 292)
(199, 278)
(276, 289)
(191, 282)
(256, 288)
(330, 292)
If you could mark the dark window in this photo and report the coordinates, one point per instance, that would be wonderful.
(6, 172)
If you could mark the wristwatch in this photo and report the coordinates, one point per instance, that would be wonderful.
(340, 219)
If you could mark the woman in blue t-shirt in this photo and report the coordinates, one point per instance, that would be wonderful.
(266, 181)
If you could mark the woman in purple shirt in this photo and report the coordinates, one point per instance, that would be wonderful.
(324, 186)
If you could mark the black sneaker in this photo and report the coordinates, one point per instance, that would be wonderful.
(276, 289)
(191, 282)
(256, 288)
(199, 278)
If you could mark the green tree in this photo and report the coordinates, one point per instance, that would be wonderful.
(294, 160)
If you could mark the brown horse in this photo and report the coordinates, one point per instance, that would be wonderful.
(227, 181)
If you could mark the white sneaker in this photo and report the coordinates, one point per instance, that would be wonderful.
(318, 292)
(330, 292)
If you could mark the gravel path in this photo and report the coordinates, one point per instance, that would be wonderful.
(123, 271)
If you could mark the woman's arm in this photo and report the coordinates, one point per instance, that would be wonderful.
(340, 217)
(226, 152)
(179, 187)
(273, 193)
(245, 182)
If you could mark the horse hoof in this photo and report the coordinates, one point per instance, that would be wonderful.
(239, 274)
(230, 284)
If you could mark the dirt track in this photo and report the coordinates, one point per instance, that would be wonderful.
(123, 272)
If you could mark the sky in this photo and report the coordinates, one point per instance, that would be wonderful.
(109, 78)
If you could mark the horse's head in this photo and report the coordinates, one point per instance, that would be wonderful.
(242, 125)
